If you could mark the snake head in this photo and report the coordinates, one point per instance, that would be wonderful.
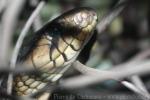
(80, 19)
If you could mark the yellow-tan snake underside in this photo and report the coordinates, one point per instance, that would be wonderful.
(54, 49)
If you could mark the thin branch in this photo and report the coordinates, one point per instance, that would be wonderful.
(141, 56)
(135, 89)
(136, 79)
(20, 41)
(130, 86)
(37, 24)
(106, 20)
(9, 20)
(85, 70)
(138, 83)
(122, 71)
(23, 69)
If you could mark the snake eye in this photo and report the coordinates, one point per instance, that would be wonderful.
(85, 18)
(78, 19)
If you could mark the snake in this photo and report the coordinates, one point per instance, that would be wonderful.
(54, 48)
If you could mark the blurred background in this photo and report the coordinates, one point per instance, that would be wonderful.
(126, 36)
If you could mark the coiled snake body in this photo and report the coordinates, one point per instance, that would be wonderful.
(54, 47)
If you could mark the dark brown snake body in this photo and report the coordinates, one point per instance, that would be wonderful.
(54, 48)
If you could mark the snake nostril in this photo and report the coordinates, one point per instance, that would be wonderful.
(94, 15)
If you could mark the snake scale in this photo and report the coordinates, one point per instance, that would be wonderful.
(54, 48)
